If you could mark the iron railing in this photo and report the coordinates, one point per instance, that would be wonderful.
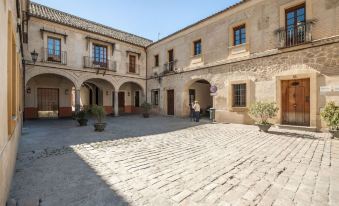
(98, 63)
(129, 68)
(54, 56)
(293, 36)
(170, 66)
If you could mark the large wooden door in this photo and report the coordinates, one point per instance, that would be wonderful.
(170, 102)
(48, 102)
(121, 101)
(296, 102)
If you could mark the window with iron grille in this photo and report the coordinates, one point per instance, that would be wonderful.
(197, 47)
(239, 95)
(100, 55)
(155, 97)
(295, 25)
(132, 64)
(239, 35)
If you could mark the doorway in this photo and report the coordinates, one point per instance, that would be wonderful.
(170, 102)
(296, 102)
(48, 103)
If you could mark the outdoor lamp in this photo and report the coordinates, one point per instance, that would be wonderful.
(66, 91)
(34, 55)
(28, 91)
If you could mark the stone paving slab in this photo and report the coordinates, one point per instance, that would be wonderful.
(205, 164)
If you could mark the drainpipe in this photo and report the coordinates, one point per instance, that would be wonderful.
(146, 73)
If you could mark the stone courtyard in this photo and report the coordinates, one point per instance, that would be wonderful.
(172, 161)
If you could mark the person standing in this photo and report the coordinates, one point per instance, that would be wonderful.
(196, 108)
(192, 115)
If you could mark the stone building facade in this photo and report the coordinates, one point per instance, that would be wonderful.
(11, 89)
(81, 63)
(284, 51)
(287, 52)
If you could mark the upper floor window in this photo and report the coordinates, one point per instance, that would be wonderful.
(239, 95)
(239, 35)
(100, 55)
(156, 60)
(53, 49)
(132, 64)
(197, 47)
(155, 97)
(295, 25)
(170, 60)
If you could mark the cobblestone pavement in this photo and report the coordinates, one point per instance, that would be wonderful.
(205, 164)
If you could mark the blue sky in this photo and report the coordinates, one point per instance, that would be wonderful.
(146, 18)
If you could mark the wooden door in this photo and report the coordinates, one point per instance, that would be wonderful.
(121, 101)
(48, 102)
(170, 102)
(296, 102)
(137, 99)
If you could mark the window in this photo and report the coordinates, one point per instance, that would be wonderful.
(100, 55)
(197, 47)
(295, 25)
(239, 95)
(156, 60)
(170, 60)
(239, 35)
(53, 49)
(132, 64)
(155, 97)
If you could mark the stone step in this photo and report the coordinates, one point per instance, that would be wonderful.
(24, 202)
(294, 127)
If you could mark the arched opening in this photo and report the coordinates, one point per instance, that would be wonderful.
(99, 92)
(49, 96)
(130, 98)
(198, 90)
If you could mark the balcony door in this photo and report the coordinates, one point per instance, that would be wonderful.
(53, 49)
(132, 64)
(295, 25)
(99, 55)
(170, 60)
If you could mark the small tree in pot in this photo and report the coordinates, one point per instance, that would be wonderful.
(261, 112)
(146, 108)
(81, 117)
(100, 114)
(330, 115)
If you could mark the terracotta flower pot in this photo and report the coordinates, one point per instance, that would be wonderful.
(99, 127)
(264, 127)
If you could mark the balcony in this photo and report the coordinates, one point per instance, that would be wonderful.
(294, 36)
(54, 56)
(170, 66)
(100, 64)
(132, 68)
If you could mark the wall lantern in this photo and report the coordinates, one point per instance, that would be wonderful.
(128, 94)
(28, 90)
(107, 93)
(34, 55)
(66, 91)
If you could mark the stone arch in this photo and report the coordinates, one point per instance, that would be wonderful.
(31, 73)
(140, 82)
(107, 78)
(205, 101)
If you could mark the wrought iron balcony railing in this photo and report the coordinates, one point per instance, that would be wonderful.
(54, 56)
(170, 66)
(99, 63)
(132, 68)
(296, 35)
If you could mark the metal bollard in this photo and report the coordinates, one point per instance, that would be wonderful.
(212, 114)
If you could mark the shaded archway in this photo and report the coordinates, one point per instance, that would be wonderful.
(197, 89)
(49, 96)
(97, 91)
(130, 97)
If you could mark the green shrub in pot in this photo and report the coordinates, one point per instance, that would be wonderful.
(262, 112)
(330, 114)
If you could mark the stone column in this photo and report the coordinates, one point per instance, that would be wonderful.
(116, 103)
(77, 100)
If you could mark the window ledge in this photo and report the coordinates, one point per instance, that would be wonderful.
(239, 109)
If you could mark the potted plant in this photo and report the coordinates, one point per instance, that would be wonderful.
(261, 112)
(99, 113)
(81, 117)
(146, 108)
(330, 115)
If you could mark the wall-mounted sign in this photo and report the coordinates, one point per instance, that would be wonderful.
(324, 89)
(336, 88)
(213, 89)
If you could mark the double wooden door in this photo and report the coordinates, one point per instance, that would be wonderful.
(170, 102)
(296, 102)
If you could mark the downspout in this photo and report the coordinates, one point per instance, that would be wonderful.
(146, 74)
